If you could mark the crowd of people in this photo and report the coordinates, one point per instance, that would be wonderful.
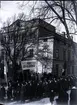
(35, 88)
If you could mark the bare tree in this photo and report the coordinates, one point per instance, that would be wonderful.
(17, 38)
(61, 13)
(31, 5)
(45, 57)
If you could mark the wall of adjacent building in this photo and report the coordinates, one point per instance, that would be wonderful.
(62, 57)
(74, 57)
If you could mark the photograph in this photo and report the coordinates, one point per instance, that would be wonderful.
(38, 53)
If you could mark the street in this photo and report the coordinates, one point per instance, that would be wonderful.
(44, 101)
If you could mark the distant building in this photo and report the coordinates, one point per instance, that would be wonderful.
(51, 52)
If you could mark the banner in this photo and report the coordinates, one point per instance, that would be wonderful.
(29, 64)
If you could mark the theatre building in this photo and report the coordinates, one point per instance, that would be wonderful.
(53, 52)
(50, 52)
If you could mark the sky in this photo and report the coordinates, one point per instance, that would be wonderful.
(10, 8)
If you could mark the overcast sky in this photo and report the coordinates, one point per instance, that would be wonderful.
(9, 8)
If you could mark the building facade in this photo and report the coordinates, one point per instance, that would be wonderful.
(44, 49)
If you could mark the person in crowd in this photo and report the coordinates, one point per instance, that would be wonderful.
(18, 91)
(2, 92)
(9, 92)
(1, 104)
(22, 93)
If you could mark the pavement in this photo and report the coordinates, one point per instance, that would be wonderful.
(44, 101)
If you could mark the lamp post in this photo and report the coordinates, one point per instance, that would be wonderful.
(69, 92)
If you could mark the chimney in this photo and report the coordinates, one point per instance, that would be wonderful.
(64, 34)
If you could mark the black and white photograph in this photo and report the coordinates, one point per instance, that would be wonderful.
(38, 52)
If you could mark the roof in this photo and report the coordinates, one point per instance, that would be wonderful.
(34, 22)
(40, 23)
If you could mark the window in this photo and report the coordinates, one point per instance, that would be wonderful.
(69, 55)
(45, 39)
(73, 70)
(64, 54)
(57, 53)
(57, 69)
(31, 53)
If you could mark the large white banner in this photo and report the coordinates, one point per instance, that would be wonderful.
(28, 64)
